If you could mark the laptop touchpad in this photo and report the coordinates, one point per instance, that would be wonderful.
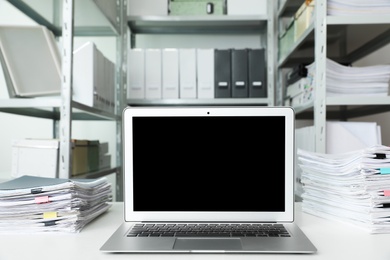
(207, 244)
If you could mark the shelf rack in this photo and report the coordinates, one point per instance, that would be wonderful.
(211, 25)
(338, 38)
(62, 109)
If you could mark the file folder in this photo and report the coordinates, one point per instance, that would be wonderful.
(136, 74)
(93, 78)
(31, 61)
(257, 73)
(187, 63)
(222, 66)
(170, 73)
(205, 73)
(153, 74)
(239, 61)
(86, 74)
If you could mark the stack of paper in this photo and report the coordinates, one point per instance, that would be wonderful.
(351, 187)
(358, 7)
(299, 92)
(341, 137)
(346, 80)
(38, 204)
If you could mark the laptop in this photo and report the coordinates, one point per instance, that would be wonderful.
(208, 180)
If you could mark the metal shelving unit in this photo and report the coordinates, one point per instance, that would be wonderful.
(262, 25)
(62, 109)
(339, 38)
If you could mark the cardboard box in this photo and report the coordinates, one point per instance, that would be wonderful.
(79, 157)
(37, 157)
(105, 161)
(93, 155)
(85, 156)
(303, 18)
(246, 7)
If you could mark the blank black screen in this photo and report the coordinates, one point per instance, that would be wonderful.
(209, 163)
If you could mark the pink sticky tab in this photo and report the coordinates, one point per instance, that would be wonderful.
(386, 192)
(42, 199)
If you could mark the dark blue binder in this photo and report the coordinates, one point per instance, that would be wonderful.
(222, 71)
(257, 73)
(240, 73)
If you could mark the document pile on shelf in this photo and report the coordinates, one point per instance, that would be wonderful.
(358, 7)
(346, 80)
(299, 89)
(352, 187)
(31, 204)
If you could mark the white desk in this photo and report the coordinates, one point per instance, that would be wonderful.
(333, 240)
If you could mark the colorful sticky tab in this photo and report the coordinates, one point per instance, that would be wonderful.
(384, 170)
(41, 199)
(386, 193)
(52, 214)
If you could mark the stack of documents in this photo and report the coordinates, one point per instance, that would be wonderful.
(358, 7)
(341, 137)
(31, 204)
(352, 187)
(299, 92)
(345, 80)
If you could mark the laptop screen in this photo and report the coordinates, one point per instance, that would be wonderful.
(207, 161)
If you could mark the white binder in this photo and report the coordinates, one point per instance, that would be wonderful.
(187, 61)
(170, 73)
(205, 73)
(153, 74)
(86, 75)
(136, 74)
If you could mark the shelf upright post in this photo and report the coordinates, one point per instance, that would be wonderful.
(120, 89)
(320, 55)
(65, 161)
(271, 51)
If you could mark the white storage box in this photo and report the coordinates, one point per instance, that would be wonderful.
(86, 75)
(136, 73)
(31, 61)
(247, 7)
(147, 7)
(93, 78)
(37, 157)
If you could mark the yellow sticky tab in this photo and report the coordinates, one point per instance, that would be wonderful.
(51, 214)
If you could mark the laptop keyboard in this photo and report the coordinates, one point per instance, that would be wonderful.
(208, 230)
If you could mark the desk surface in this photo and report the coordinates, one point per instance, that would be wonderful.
(334, 240)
